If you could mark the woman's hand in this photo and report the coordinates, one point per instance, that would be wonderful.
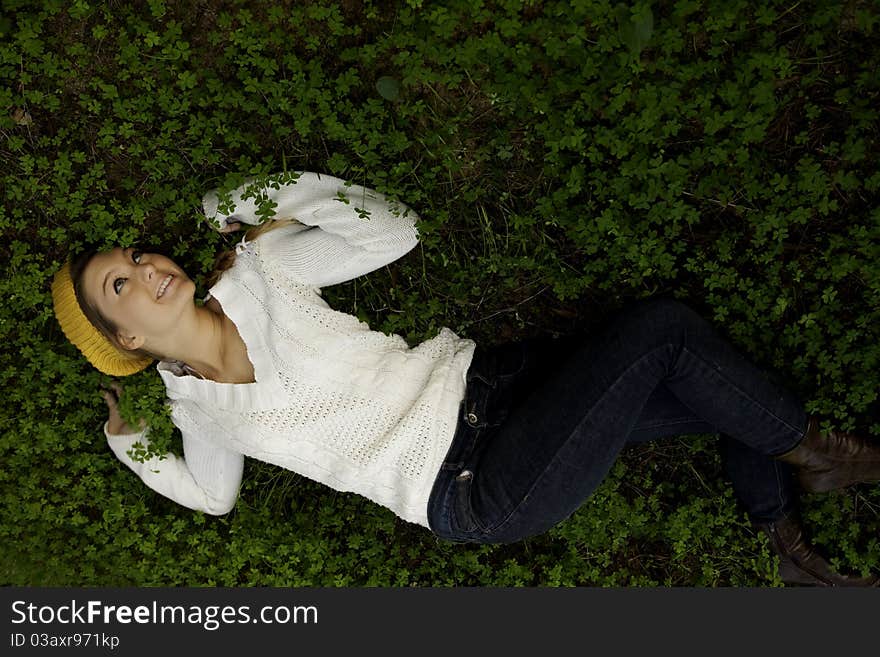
(231, 227)
(115, 423)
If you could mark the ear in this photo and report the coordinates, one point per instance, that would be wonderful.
(130, 342)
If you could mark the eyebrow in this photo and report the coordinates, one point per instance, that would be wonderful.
(104, 284)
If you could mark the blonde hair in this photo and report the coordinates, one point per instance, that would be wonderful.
(225, 259)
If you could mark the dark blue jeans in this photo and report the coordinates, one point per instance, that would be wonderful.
(544, 419)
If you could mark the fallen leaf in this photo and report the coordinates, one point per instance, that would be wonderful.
(22, 117)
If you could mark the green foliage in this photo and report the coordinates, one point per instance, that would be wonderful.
(388, 87)
(634, 27)
(565, 158)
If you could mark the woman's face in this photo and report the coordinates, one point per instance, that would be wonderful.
(144, 294)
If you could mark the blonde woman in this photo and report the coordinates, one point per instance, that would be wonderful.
(479, 444)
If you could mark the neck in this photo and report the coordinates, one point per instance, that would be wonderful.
(206, 342)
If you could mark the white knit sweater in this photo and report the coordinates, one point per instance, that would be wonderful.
(349, 407)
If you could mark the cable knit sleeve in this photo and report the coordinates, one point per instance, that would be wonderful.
(206, 479)
(348, 231)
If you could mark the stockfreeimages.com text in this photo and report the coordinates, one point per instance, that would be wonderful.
(210, 617)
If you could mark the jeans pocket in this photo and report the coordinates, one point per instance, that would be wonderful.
(465, 521)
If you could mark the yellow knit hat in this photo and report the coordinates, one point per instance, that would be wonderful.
(89, 340)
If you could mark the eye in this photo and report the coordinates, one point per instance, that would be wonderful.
(136, 258)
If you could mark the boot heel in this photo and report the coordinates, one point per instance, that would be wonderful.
(799, 563)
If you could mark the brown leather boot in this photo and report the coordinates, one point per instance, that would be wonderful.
(799, 563)
(835, 460)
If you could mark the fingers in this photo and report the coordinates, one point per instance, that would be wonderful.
(112, 396)
(112, 393)
(231, 228)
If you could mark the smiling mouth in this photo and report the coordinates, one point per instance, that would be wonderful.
(164, 285)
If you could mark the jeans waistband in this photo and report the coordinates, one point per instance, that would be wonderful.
(474, 422)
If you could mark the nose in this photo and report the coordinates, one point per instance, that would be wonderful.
(148, 271)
